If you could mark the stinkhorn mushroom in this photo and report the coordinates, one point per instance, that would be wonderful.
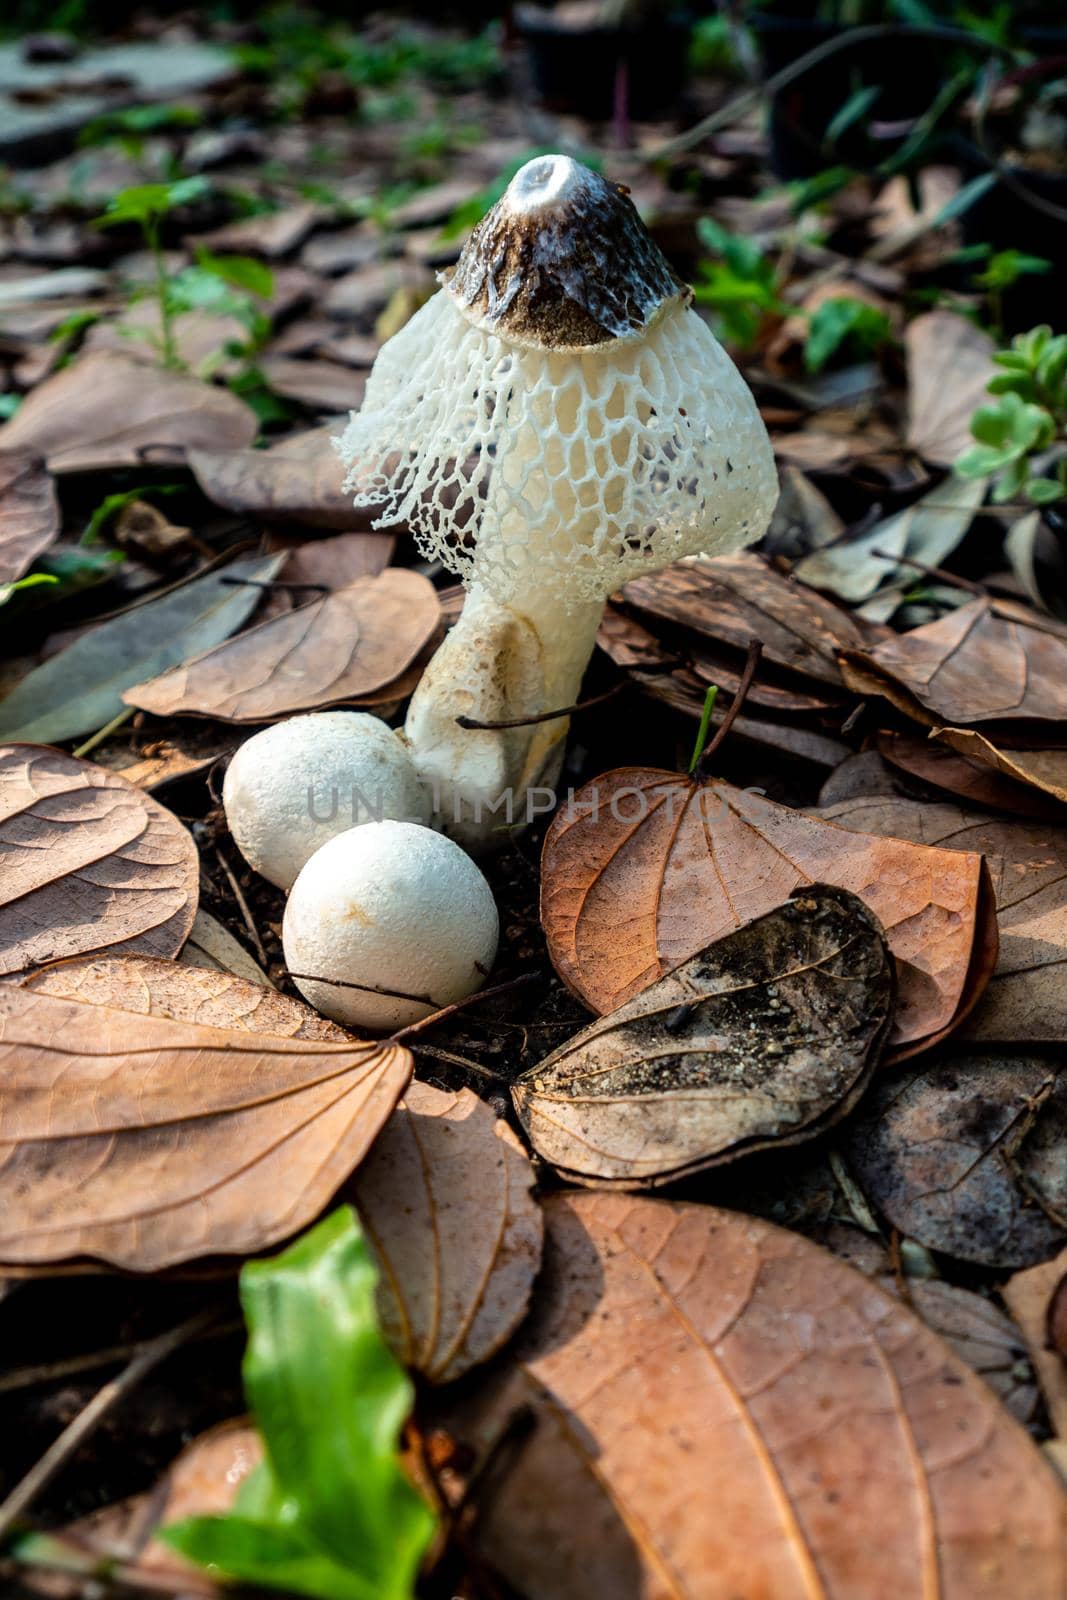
(293, 786)
(556, 420)
(387, 923)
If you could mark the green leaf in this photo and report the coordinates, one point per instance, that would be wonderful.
(112, 504)
(962, 200)
(1007, 267)
(839, 320)
(980, 461)
(241, 272)
(333, 1515)
(1043, 491)
(1010, 483)
(147, 202)
(856, 106)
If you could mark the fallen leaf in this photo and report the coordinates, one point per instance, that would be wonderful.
(90, 863)
(766, 1037)
(319, 385)
(955, 1155)
(734, 599)
(1026, 999)
(444, 1198)
(1045, 770)
(642, 868)
(29, 512)
(980, 1334)
(708, 1395)
(167, 765)
(986, 661)
(1029, 1297)
(80, 689)
(109, 410)
(212, 946)
(337, 650)
(161, 1141)
(965, 776)
(333, 562)
(297, 480)
(272, 234)
(1038, 559)
(950, 361)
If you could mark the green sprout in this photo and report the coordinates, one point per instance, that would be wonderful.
(1026, 418)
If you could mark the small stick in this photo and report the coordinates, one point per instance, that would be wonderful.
(105, 732)
(111, 1572)
(953, 579)
(27, 1377)
(242, 906)
(435, 1017)
(90, 1417)
(462, 1062)
(364, 988)
(752, 660)
(547, 716)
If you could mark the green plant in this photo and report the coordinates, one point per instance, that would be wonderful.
(1027, 417)
(146, 205)
(741, 286)
(112, 504)
(129, 129)
(330, 1513)
(844, 323)
(1002, 270)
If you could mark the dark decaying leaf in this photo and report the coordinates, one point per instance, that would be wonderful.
(1026, 999)
(90, 863)
(969, 1156)
(144, 1142)
(297, 480)
(109, 410)
(29, 512)
(722, 1409)
(1035, 1298)
(967, 776)
(987, 661)
(340, 649)
(766, 1037)
(644, 868)
(80, 689)
(445, 1200)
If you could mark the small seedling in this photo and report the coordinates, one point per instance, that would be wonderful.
(1026, 419)
(147, 205)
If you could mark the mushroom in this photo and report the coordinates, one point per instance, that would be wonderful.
(295, 785)
(556, 420)
(395, 908)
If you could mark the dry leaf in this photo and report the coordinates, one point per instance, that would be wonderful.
(950, 361)
(641, 869)
(166, 765)
(297, 480)
(212, 946)
(1029, 1297)
(337, 650)
(332, 562)
(981, 1335)
(160, 1141)
(1045, 770)
(109, 410)
(445, 1200)
(29, 512)
(273, 234)
(90, 863)
(964, 775)
(723, 1410)
(766, 1037)
(957, 1156)
(985, 661)
(319, 385)
(734, 599)
(1026, 999)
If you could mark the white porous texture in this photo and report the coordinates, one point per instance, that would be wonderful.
(296, 785)
(393, 906)
(591, 467)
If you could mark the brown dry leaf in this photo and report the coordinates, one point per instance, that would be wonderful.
(108, 410)
(333, 562)
(90, 863)
(273, 234)
(985, 661)
(297, 480)
(644, 868)
(29, 512)
(981, 1335)
(965, 775)
(1045, 770)
(159, 1141)
(766, 1037)
(734, 599)
(337, 650)
(319, 385)
(969, 1157)
(1026, 999)
(212, 946)
(166, 765)
(709, 1393)
(950, 361)
(1029, 1296)
(445, 1200)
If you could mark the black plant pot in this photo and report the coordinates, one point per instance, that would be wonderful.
(906, 70)
(574, 70)
(1009, 219)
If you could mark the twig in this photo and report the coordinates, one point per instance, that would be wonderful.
(105, 732)
(462, 1062)
(460, 1005)
(752, 660)
(90, 1417)
(364, 988)
(547, 716)
(114, 1573)
(242, 906)
(28, 1377)
(940, 575)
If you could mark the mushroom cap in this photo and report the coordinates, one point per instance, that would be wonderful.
(394, 906)
(524, 463)
(292, 787)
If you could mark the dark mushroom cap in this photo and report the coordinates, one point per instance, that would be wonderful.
(562, 262)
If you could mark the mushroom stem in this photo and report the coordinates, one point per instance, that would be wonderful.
(499, 663)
